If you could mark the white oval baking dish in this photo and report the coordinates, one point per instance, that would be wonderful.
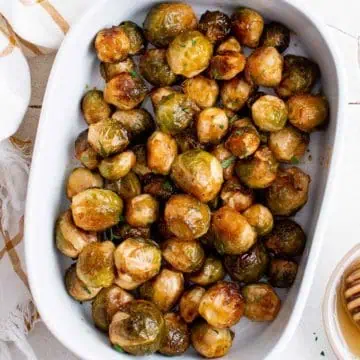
(76, 68)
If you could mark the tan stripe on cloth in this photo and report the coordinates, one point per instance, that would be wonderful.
(9, 33)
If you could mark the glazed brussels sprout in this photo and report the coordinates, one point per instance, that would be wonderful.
(110, 70)
(165, 21)
(189, 303)
(186, 217)
(158, 186)
(307, 112)
(126, 91)
(236, 195)
(94, 107)
(182, 255)
(96, 209)
(211, 342)
(81, 179)
(164, 290)
(202, 91)
(235, 93)
(124, 231)
(95, 265)
(76, 288)
(261, 302)
(248, 267)
(212, 125)
(260, 170)
(226, 159)
(286, 239)
(189, 53)
(282, 273)
(260, 218)
(107, 303)
(211, 272)
(107, 137)
(215, 25)
(233, 234)
(118, 166)
(85, 153)
(127, 187)
(289, 192)
(159, 94)
(227, 65)
(269, 113)
(163, 230)
(126, 281)
(141, 169)
(187, 140)
(142, 210)
(136, 37)
(299, 76)
(198, 173)
(230, 44)
(222, 305)
(112, 44)
(247, 26)
(137, 328)
(276, 35)
(264, 67)
(161, 152)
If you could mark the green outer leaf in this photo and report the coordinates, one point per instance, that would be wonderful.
(118, 348)
(294, 160)
(227, 162)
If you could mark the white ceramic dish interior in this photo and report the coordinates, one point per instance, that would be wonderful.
(76, 68)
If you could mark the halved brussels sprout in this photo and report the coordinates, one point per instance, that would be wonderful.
(182, 255)
(260, 218)
(260, 170)
(142, 210)
(289, 192)
(227, 65)
(138, 328)
(276, 35)
(85, 153)
(215, 25)
(212, 125)
(248, 267)
(112, 44)
(226, 159)
(161, 152)
(167, 20)
(126, 91)
(95, 265)
(157, 94)
(236, 195)
(81, 179)
(187, 140)
(186, 217)
(76, 288)
(96, 209)
(189, 53)
(230, 44)
(233, 234)
(211, 272)
(158, 186)
(198, 173)
(282, 273)
(124, 231)
(189, 303)
(164, 290)
(110, 70)
(235, 93)
(211, 342)
(286, 239)
(94, 107)
(135, 35)
(203, 91)
(127, 187)
(264, 67)
(117, 166)
(307, 112)
(140, 168)
(261, 302)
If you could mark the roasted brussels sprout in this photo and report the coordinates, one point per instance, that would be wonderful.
(136, 37)
(112, 44)
(261, 302)
(118, 166)
(215, 25)
(226, 159)
(95, 265)
(140, 168)
(282, 273)
(158, 186)
(233, 234)
(126, 91)
(76, 288)
(186, 217)
(157, 94)
(127, 187)
(189, 303)
(260, 170)
(211, 342)
(124, 231)
(289, 192)
(187, 140)
(164, 290)
(138, 328)
(163, 230)
(235, 93)
(182, 255)
(85, 153)
(269, 113)
(236, 195)
(107, 137)
(212, 125)
(227, 65)
(247, 25)
(202, 91)
(110, 70)
(299, 76)
(81, 179)
(94, 107)
(264, 67)
(96, 209)
(307, 112)
(161, 152)
(260, 218)
(230, 44)
(211, 272)
(189, 53)
(142, 210)
(165, 21)
(107, 303)
(276, 35)
(198, 173)
(286, 239)
(254, 97)
(126, 281)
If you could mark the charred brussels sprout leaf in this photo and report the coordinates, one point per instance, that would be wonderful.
(276, 35)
